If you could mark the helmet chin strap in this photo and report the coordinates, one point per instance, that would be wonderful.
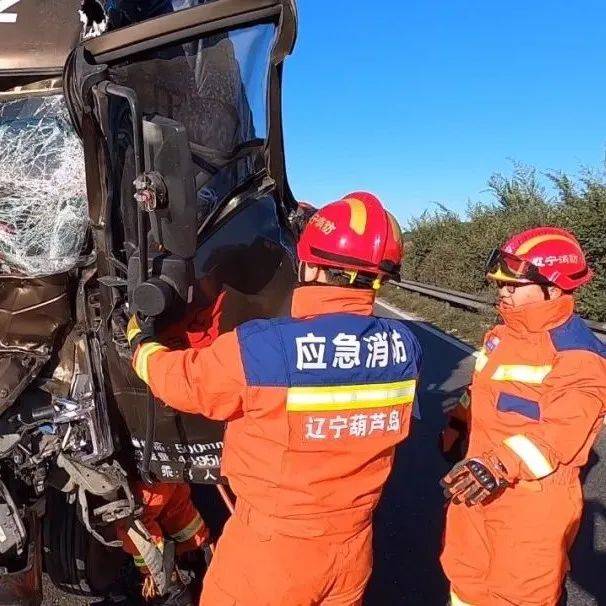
(351, 278)
(301, 274)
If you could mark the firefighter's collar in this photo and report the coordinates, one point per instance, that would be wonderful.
(310, 301)
(538, 317)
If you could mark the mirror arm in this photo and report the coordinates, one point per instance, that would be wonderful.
(109, 88)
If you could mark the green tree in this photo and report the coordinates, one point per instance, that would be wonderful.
(582, 210)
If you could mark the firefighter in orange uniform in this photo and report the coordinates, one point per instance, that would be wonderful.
(168, 511)
(538, 396)
(167, 508)
(316, 404)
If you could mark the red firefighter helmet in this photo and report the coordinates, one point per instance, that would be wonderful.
(544, 255)
(355, 234)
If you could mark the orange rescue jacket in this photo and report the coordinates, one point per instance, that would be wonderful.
(315, 402)
(538, 393)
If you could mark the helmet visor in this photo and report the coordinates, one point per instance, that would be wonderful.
(505, 266)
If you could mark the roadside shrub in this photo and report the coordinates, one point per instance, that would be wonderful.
(448, 250)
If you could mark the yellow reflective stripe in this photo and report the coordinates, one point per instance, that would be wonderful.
(348, 397)
(189, 531)
(526, 246)
(522, 373)
(132, 329)
(455, 600)
(143, 353)
(533, 458)
(132, 332)
(395, 228)
(357, 219)
(481, 359)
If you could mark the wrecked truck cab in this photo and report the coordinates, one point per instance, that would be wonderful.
(43, 226)
(180, 121)
(50, 408)
(43, 361)
(187, 215)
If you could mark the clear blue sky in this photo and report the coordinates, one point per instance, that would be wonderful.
(424, 102)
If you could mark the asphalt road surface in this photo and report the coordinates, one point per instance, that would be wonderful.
(52, 596)
(409, 521)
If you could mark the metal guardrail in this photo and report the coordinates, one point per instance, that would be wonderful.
(468, 301)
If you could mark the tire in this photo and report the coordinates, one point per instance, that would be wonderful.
(74, 560)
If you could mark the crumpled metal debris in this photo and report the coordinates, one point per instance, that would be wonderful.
(43, 205)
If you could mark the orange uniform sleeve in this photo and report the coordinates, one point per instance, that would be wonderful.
(208, 381)
(571, 409)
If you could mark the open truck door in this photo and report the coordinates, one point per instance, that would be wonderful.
(181, 204)
(181, 125)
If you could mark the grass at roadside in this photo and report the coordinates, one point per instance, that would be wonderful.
(465, 325)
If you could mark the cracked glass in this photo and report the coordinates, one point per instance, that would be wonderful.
(43, 204)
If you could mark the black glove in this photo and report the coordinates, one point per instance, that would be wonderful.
(140, 329)
(475, 480)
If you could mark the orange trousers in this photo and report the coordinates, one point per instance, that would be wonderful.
(255, 567)
(513, 550)
(167, 511)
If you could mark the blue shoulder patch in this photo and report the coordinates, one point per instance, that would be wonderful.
(575, 334)
(261, 351)
(332, 349)
(523, 406)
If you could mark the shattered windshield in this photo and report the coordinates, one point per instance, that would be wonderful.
(216, 86)
(43, 204)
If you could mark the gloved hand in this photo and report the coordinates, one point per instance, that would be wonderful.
(474, 480)
(139, 330)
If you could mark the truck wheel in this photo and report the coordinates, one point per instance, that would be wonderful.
(77, 563)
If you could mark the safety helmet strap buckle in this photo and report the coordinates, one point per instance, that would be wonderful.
(355, 278)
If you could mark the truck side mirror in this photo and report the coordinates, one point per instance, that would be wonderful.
(166, 190)
(169, 178)
(165, 193)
